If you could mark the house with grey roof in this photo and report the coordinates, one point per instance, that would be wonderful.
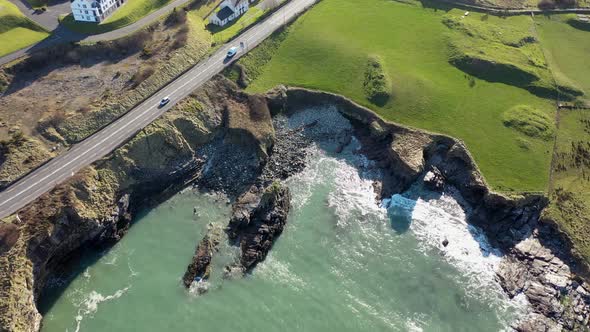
(229, 10)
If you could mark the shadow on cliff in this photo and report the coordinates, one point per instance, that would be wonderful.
(69, 270)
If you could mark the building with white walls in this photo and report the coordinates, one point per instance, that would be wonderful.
(228, 11)
(94, 10)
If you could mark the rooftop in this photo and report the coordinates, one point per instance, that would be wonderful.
(224, 13)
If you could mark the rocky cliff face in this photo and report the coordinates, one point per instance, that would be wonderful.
(540, 262)
(225, 140)
(96, 205)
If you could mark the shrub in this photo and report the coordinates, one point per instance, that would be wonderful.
(530, 122)
(176, 17)
(181, 38)
(546, 4)
(566, 3)
(376, 85)
(141, 75)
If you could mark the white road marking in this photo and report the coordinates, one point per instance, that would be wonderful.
(92, 151)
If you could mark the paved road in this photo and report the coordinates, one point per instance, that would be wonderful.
(103, 142)
(60, 34)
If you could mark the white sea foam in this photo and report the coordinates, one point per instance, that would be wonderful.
(389, 318)
(302, 183)
(354, 195)
(90, 304)
(431, 220)
(436, 220)
(413, 326)
(279, 272)
(112, 260)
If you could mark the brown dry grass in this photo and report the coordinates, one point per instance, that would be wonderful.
(84, 87)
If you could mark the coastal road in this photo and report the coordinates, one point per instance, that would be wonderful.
(106, 140)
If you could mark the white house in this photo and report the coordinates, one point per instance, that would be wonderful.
(228, 11)
(94, 10)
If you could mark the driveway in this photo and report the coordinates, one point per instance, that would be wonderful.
(60, 34)
(47, 19)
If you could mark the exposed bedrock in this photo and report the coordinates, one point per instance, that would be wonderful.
(540, 262)
(199, 268)
(257, 233)
(257, 220)
(96, 205)
(222, 139)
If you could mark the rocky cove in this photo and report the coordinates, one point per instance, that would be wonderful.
(223, 140)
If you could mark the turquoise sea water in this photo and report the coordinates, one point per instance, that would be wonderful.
(343, 263)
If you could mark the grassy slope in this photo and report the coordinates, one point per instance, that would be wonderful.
(567, 49)
(16, 31)
(130, 12)
(327, 49)
(37, 3)
(572, 213)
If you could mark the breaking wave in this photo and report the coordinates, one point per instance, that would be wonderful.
(90, 304)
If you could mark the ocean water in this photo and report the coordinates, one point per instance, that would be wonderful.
(344, 263)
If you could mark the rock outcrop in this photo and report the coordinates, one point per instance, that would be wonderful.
(258, 219)
(96, 205)
(199, 268)
(257, 230)
(225, 140)
(540, 262)
(434, 180)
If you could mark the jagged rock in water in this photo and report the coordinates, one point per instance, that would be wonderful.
(257, 231)
(199, 268)
(241, 211)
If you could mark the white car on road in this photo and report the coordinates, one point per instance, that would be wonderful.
(164, 101)
(232, 51)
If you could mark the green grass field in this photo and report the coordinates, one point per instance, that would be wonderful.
(130, 12)
(567, 49)
(327, 49)
(17, 31)
(570, 196)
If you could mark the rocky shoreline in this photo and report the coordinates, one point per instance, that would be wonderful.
(538, 262)
(222, 139)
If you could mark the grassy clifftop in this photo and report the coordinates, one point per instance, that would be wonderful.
(66, 93)
(328, 48)
(503, 50)
(130, 12)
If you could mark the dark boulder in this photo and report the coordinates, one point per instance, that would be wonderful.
(257, 232)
